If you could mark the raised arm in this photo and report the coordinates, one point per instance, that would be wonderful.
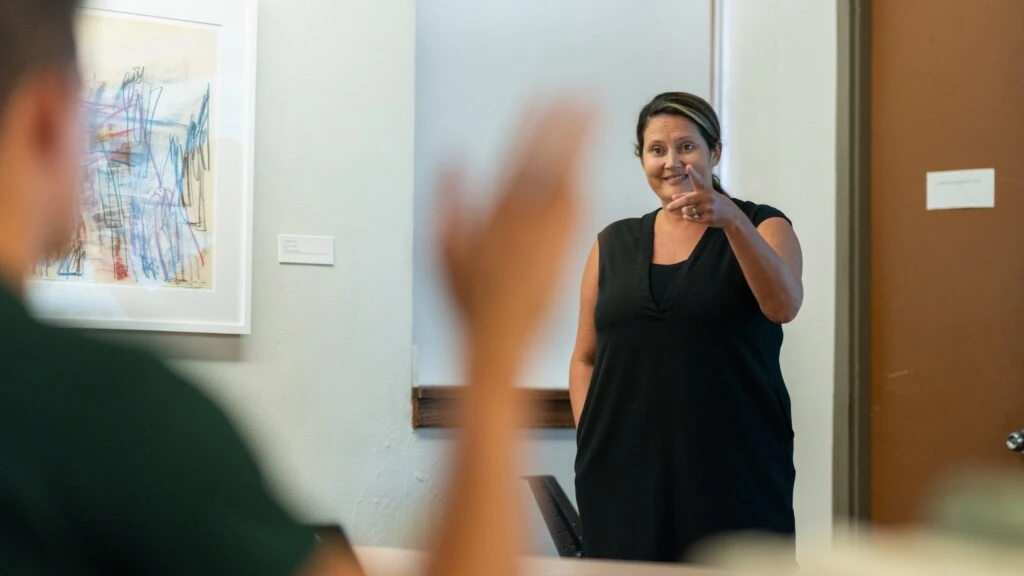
(503, 278)
(501, 273)
(772, 264)
(769, 254)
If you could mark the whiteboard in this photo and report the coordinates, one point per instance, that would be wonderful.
(478, 64)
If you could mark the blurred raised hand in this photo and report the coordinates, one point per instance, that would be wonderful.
(502, 268)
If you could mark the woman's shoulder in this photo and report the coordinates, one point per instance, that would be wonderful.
(625, 227)
(758, 213)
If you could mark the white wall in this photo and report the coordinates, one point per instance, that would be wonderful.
(478, 64)
(779, 117)
(321, 385)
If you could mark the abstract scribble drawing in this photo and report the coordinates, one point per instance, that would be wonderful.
(145, 215)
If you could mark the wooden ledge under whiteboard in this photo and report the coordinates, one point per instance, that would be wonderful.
(437, 407)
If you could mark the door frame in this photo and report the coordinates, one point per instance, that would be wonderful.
(851, 471)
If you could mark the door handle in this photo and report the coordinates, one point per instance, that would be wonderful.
(1015, 441)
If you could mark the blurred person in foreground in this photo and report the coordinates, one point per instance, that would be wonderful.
(111, 464)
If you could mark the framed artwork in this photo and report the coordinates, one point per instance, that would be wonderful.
(164, 228)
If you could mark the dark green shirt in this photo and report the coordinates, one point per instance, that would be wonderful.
(111, 464)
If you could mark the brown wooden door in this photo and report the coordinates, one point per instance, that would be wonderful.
(947, 287)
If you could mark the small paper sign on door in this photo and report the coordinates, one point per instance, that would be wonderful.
(960, 189)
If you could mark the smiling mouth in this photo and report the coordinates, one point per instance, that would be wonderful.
(677, 179)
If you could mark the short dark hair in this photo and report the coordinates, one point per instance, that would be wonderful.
(34, 35)
(687, 105)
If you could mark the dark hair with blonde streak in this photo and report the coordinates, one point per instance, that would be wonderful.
(689, 106)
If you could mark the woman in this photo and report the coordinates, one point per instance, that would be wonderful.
(683, 420)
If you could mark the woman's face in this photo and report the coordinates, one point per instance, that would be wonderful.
(671, 143)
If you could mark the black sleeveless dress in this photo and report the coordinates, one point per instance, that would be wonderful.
(686, 432)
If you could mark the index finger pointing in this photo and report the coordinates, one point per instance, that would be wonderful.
(695, 179)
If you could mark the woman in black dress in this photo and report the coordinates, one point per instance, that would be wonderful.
(684, 429)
